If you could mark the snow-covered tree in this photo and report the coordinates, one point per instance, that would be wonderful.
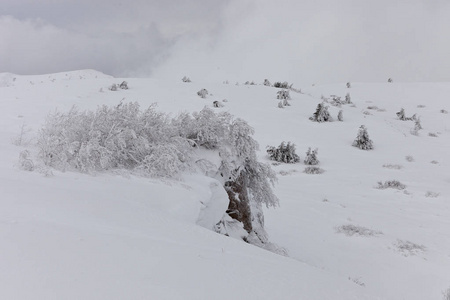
(321, 114)
(266, 82)
(311, 157)
(284, 153)
(363, 141)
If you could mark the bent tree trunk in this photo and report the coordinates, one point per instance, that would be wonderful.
(239, 206)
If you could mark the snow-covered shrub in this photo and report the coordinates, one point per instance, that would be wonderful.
(321, 114)
(313, 170)
(217, 104)
(185, 79)
(417, 127)
(282, 85)
(408, 248)
(351, 230)
(280, 104)
(340, 116)
(401, 116)
(421, 106)
(430, 194)
(283, 94)
(203, 93)
(443, 111)
(266, 82)
(363, 141)
(121, 137)
(432, 134)
(124, 85)
(348, 99)
(285, 102)
(391, 184)
(311, 157)
(348, 85)
(393, 166)
(113, 87)
(409, 158)
(336, 101)
(390, 80)
(284, 153)
(26, 163)
(446, 294)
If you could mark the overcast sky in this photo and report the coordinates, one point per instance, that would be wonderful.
(318, 41)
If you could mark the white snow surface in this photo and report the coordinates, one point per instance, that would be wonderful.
(113, 236)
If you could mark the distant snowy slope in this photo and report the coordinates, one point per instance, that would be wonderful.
(110, 236)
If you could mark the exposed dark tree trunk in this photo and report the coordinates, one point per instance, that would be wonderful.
(239, 206)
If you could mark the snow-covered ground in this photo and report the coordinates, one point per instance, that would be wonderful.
(109, 236)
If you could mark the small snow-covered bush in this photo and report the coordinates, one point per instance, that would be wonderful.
(283, 94)
(432, 134)
(363, 141)
(417, 127)
(282, 85)
(284, 153)
(203, 93)
(311, 157)
(446, 294)
(391, 184)
(124, 85)
(409, 158)
(408, 248)
(348, 99)
(185, 79)
(313, 170)
(113, 87)
(401, 116)
(430, 194)
(321, 114)
(280, 104)
(266, 82)
(349, 85)
(217, 104)
(351, 230)
(391, 166)
(26, 163)
(443, 111)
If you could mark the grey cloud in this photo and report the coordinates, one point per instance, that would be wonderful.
(299, 41)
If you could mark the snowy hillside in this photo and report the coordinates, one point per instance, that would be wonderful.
(70, 235)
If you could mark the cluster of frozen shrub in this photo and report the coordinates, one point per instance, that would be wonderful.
(285, 153)
(147, 141)
(115, 87)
